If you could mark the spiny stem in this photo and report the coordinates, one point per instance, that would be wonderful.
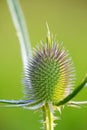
(48, 117)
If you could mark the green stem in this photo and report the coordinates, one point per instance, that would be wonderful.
(48, 117)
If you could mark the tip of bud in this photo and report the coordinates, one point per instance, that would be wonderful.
(50, 73)
(48, 34)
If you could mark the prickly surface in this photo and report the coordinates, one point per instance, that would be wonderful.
(49, 74)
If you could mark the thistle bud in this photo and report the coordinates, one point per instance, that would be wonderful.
(50, 72)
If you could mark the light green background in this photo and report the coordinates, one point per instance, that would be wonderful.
(68, 20)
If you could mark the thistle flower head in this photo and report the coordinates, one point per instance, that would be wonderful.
(50, 73)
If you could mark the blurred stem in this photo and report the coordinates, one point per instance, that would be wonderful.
(48, 117)
(20, 26)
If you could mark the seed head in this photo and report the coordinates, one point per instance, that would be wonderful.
(50, 73)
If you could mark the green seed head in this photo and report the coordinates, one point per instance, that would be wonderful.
(50, 73)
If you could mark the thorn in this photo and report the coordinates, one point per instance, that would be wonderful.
(56, 118)
(42, 127)
(59, 109)
(54, 124)
(43, 122)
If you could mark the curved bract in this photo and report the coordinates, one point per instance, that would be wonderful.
(50, 72)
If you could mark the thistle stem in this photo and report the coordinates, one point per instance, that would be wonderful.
(48, 117)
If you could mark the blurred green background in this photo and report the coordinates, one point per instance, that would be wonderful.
(68, 20)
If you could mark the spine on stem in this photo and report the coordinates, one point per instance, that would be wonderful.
(48, 117)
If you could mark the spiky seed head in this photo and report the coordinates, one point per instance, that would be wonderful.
(50, 73)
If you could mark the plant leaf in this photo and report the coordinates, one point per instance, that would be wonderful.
(20, 26)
